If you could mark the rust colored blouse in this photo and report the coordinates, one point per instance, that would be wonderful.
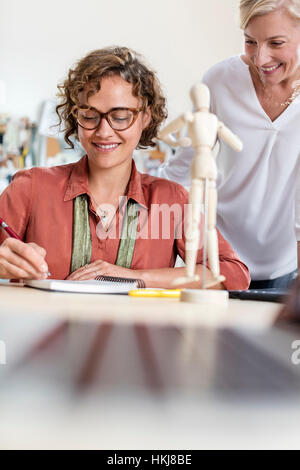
(38, 206)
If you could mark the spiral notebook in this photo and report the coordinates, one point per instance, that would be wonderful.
(101, 285)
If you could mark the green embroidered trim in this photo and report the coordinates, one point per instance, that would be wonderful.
(128, 237)
(82, 241)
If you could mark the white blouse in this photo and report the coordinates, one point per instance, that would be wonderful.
(256, 188)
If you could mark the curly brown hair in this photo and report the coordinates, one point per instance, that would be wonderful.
(111, 61)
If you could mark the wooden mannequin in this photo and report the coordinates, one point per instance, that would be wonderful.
(203, 130)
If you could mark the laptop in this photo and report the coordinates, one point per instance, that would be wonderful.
(268, 295)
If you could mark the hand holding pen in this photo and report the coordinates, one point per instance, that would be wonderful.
(19, 260)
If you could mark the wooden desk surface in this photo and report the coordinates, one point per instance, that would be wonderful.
(125, 373)
(124, 309)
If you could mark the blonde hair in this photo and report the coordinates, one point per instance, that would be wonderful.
(251, 8)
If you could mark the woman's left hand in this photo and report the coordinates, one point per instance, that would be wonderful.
(100, 268)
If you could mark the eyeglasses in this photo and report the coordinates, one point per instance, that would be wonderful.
(119, 119)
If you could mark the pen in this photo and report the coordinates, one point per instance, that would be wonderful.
(171, 293)
(11, 233)
(9, 230)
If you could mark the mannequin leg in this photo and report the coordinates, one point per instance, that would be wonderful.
(193, 226)
(212, 237)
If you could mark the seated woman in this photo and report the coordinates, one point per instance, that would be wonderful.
(100, 216)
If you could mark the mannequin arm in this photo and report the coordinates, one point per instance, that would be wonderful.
(175, 127)
(229, 137)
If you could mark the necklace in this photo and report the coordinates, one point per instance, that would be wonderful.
(295, 93)
(108, 214)
(290, 99)
(101, 212)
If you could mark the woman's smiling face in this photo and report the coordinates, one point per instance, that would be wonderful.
(106, 147)
(272, 46)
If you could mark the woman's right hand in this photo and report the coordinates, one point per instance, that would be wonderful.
(19, 260)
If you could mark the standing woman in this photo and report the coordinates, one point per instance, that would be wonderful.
(257, 96)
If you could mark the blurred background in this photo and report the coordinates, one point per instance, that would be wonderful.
(40, 41)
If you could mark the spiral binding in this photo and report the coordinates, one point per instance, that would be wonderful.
(140, 283)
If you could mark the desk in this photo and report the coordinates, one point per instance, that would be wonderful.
(127, 373)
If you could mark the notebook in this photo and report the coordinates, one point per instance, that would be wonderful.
(101, 285)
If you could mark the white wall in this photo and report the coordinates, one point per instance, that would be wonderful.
(40, 40)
